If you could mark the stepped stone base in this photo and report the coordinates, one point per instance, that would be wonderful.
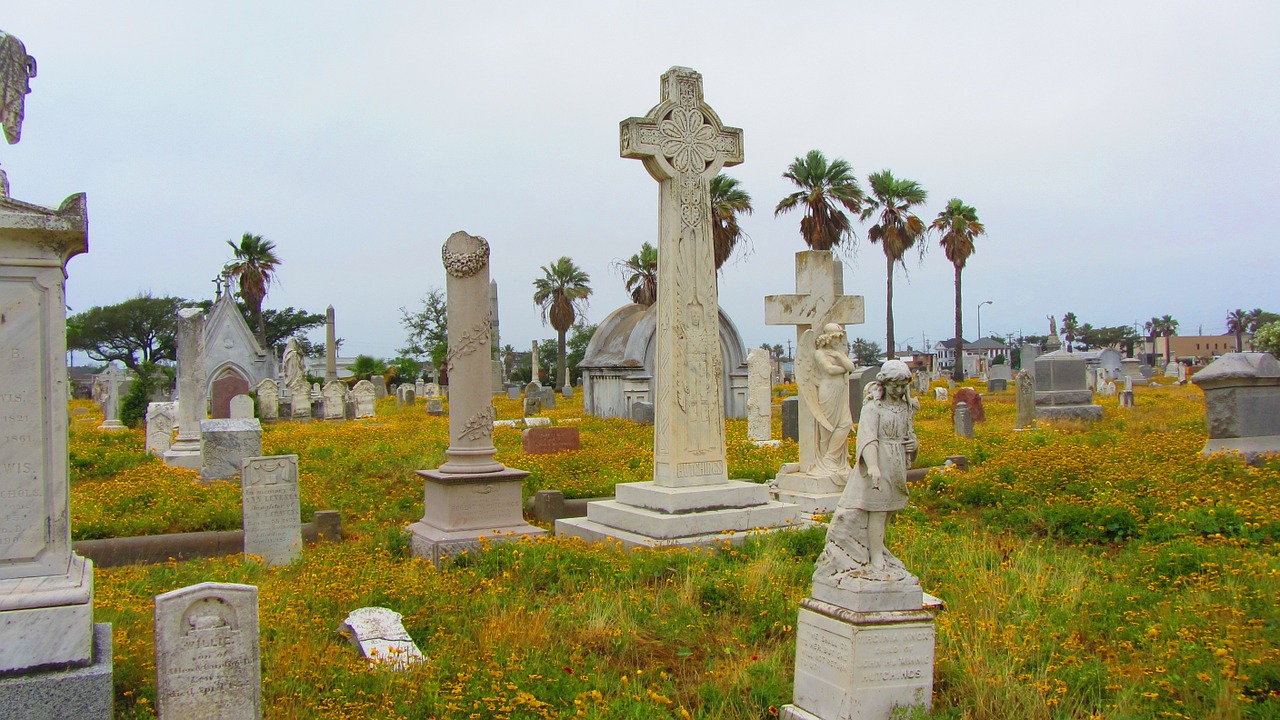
(83, 693)
(463, 508)
(812, 495)
(646, 514)
(1068, 412)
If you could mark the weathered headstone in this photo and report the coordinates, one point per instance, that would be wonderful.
(548, 397)
(1242, 404)
(642, 412)
(535, 368)
(227, 386)
(973, 402)
(690, 500)
(268, 399)
(161, 420)
(365, 395)
(430, 390)
(185, 451)
(1132, 368)
(537, 422)
(496, 375)
(1107, 389)
(997, 385)
(471, 495)
(1027, 355)
(207, 661)
(791, 418)
(406, 396)
(112, 382)
(420, 388)
(567, 391)
(513, 393)
(46, 590)
(1061, 390)
(335, 399)
(1000, 372)
(379, 386)
(759, 395)
(271, 508)
(541, 441)
(380, 635)
(1026, 399)
(241, 407)
(1126, 399)
(435, 406)
(962, 418)
(224, 444)
(533, 405)
(940, 394)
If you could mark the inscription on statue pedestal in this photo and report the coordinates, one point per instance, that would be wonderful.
(23, 472)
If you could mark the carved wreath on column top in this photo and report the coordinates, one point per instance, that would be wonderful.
(466, 264)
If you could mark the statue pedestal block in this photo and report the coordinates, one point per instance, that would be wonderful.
(812, 495)
(861, 665)
(463, 508)
(77, 692)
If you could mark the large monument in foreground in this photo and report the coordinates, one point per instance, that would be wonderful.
(53, 661)
(691, 499)
(471, 495)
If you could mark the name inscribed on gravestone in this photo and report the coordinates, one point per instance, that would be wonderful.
(207, 663)
(892, 656)
(272, 522)
(22, 466)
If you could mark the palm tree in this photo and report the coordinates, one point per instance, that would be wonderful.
(897, 229)
(1238, 324)
(1165, 327)
(823, 186)
(254, 268)
(728, 201)
(958, 227)
(1070, 329)
(562, 292)
(641, 274)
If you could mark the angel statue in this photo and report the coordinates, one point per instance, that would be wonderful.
(855, 558)
(824, 378)
(16, 70)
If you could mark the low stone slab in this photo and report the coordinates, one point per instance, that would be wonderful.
(544, 440)
(207, 662)
(224, 444)
(380, 635)
(537, 422)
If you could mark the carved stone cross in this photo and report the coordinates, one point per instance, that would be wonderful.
(684, 145)
(819, 300)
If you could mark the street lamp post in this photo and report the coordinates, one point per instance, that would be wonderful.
(984, 302)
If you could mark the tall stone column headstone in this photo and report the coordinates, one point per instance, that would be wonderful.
(46, 590)
(185, 451)
(496, 379)
(1026, 399)
(112, 383)
(819, 300)
(690, 500)
(471, 495)
(534, 367)
(759, 396)
(330, 347)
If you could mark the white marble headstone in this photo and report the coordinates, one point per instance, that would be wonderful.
(241, 407)
(268, 399)
(162, 418)
(381, 637)
(366, 399)
(271, 508)
(207, 662)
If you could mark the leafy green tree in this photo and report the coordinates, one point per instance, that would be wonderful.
(254, 269)
(1267, 339)
(136, 331)
(577, 344)
(640, 272)
(958, 226)
(428, 329)
(562, 291)
(1259, 317)
(728, 201)
(866, 352)
(897, 230)
(824, 189)
(148, 377)
(403, 367)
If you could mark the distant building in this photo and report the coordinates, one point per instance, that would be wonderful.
(1197, 349)
(978, 354)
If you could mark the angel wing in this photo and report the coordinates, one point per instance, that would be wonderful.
(807, 376)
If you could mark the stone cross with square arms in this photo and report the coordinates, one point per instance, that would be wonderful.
(818, 301)
(684, 145)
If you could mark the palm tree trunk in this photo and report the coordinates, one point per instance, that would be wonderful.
(957, 373)
(889, 339)
(561, 378)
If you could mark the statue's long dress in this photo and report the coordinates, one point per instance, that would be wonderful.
(832, 458)
(883, 428)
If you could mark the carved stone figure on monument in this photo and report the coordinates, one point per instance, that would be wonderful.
(825, 377)
(16, 70)
(294, 370)
(855, 554)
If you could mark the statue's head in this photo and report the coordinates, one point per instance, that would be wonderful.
(894, 370)
(16, 70)
(832, 333)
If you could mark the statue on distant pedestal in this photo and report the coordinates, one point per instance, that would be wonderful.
(294, 367)
(886, 448)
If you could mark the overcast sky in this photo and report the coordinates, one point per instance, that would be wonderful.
(1123, 156)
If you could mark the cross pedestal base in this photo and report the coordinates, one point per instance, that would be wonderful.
(861, 665)
(646, 514)
(812, 495)
(461, 509)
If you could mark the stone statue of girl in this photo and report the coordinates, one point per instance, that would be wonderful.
(886, 447)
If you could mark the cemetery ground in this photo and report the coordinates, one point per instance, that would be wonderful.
(1103, 571)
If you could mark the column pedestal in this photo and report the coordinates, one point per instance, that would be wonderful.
(463, 508)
